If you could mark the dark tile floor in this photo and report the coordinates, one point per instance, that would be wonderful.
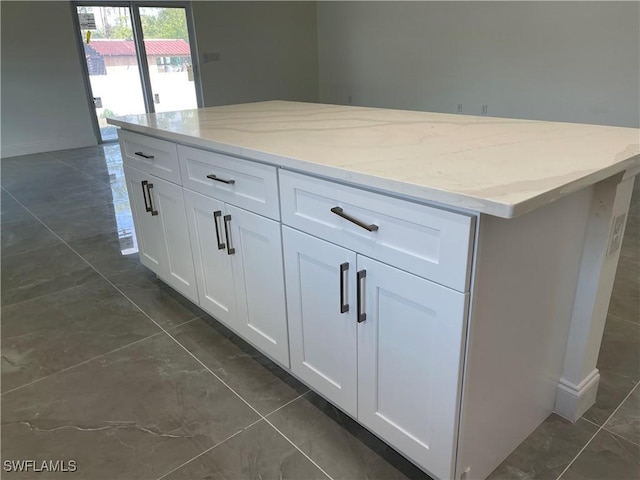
(105, 365)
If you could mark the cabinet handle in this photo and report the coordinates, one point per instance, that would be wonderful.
(340, 212)
(149, 187)
(218, 179)
(344, 307)
(216, 214)
(227, 234)
(144, 183)
(361, 314)
(141, 154)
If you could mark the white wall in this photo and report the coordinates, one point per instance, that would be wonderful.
(44, 105)
(567, 61)
(268, 50)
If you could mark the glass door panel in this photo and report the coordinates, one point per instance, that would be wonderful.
(168, 49)
(112, 65)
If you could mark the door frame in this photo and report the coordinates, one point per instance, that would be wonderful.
(138, 38)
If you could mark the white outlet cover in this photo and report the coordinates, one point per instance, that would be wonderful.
(617, 231)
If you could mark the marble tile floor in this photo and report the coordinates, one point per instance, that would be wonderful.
(105, 365)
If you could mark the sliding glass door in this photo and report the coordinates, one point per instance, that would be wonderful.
(138, 59)
(168, 50)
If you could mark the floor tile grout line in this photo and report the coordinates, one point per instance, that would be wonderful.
(299, 449)
(71, 367)
(179, 344)
(85, 173)
(618, 317)
(287, 404)
(204, 452)
(590, 421)
(620, 436)
(9, 305)
(597, 432)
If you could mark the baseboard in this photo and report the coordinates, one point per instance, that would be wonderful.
(48, 146)
(573, 400)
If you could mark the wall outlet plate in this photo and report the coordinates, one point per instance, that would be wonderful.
(211, 57)
(617, 230)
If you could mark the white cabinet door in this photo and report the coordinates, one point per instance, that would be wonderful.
(321, 294)
(255, 245)
(166, 199)
(210, 256)
(410, 348)
(151, 243)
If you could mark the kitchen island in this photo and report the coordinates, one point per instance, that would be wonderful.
(443, 279)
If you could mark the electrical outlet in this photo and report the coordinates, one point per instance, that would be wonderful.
(459, 108)
(485, 108)
(211, 57)
(349, 100)
(616, 233)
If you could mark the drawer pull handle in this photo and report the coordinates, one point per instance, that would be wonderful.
(340, 212)
(141, 154)
(361, 314)
(344, 307)
(218, 179)
(149, 187)
(227, 234)
(144, 183)
(216, 215)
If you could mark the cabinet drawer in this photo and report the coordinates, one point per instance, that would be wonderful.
(243, 183)
(151, 155)
(433, 243)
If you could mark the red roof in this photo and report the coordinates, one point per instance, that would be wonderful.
(126, 48)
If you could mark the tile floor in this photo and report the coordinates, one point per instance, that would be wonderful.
(105, 365)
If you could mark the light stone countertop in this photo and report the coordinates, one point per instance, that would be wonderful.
(498, 166)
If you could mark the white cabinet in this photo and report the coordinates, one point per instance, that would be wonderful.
(248, 185)
(149, 154)
(212, 260)
(259, 281)
(431, 242)
(238, 258)
(383, 344)
(410, 351)
(375, 312)
(161, 230)
(321, 306)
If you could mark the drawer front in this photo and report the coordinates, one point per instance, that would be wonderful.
(243, 183)
(151, 155)
(429, 242)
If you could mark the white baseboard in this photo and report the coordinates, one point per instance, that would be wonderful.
(47, 146)
(573, 400)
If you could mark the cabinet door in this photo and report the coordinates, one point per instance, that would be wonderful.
(410, 348)
(151, 244)
(210, 256)
(166, 199)
(321, 308)
(256, 246)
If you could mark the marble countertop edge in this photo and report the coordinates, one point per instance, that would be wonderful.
(460, 200)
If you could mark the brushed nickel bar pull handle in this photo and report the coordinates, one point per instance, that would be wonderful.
(227, 228)
(144, 183)
(340, 212)
(149, 187)
(344, 307)
(218, 179)
(141, 154)
(216, 214)
(361, 314)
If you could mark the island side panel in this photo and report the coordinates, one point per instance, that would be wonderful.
(609, 211)
(524, 284)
